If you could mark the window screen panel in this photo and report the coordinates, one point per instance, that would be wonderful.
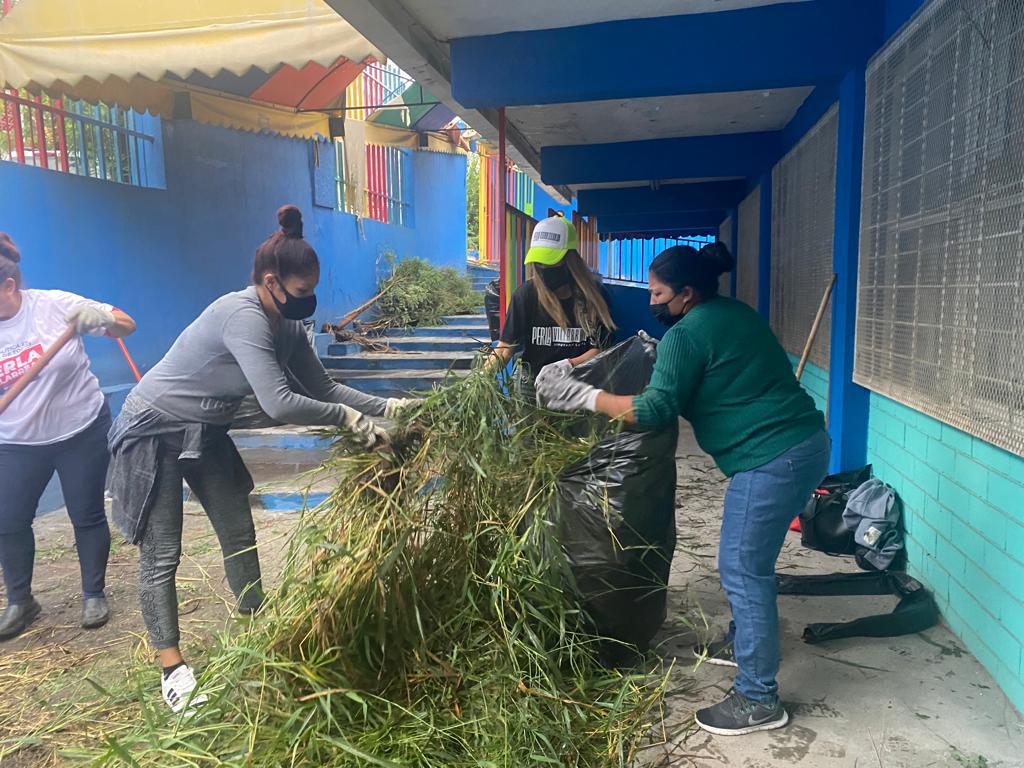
(803, 227)
(725, 237)
(749, 250)
(941, 290)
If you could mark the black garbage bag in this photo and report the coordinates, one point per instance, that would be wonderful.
(615, 509)
(492, 308)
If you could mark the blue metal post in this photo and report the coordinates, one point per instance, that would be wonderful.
(764, 259)
(848, 402)
(735, 218)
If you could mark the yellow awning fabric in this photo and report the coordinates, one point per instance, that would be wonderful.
(389, 137)
(248, 116)
(53, 44)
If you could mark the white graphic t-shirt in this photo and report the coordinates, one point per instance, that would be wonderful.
(65, 398)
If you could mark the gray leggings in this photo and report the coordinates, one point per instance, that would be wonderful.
(225, 498)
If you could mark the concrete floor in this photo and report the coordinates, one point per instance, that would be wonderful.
(920, 701)
(908, 702)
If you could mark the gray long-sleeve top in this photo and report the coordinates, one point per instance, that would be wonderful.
(230, 351)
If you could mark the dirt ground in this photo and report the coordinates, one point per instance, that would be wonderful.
(48, 663)
(914, 702)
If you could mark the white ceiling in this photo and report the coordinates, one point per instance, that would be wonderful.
(662, 117)
(448, 19)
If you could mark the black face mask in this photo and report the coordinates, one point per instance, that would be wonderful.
(295, 307)
(554, 277)
(664, 315)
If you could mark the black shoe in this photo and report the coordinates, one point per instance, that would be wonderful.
(738, 715)
(17, 617)
(717, 652)
(95, 612)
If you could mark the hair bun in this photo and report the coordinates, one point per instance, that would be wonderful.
(717, 254)
(290, 219)
(8, 249)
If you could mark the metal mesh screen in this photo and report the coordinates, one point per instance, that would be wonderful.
(941, 291)
(803, 226)
(725, 236)
(748, 251)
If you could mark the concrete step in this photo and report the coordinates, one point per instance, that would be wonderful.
(443, 331)
(391, 361)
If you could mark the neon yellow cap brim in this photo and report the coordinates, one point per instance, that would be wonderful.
(546, 256)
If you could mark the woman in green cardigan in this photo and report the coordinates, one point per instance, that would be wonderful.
(721, 368)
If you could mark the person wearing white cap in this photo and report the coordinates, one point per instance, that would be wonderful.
(560, 314)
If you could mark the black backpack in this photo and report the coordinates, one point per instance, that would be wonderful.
(821, 523)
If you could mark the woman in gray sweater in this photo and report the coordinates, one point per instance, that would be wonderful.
(174, 426)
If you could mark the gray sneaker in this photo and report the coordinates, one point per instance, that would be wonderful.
(737, 715)
(95, 612)
(717, 652)
(17, 617)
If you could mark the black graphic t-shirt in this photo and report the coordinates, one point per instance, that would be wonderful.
(529, 327)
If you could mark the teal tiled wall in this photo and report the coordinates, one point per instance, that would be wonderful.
(964, 513)
(815, 381)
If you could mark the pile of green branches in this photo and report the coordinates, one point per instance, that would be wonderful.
(419, 293)
(421, 619)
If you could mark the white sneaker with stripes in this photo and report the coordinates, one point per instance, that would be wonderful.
(178, 690)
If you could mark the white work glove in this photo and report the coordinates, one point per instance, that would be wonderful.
(366, 431)
(89, 319)
(395, 405)
(560, 368)
(557, 390)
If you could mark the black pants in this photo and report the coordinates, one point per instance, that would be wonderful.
(222, 484)
(81, 464)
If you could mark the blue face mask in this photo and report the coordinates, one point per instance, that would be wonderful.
(295, 307)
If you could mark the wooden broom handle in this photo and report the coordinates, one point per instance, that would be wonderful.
(814, 328)
(37, 368)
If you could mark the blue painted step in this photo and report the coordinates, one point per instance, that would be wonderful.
(396, 361)
(392, 383)
(474, 321)
(443, 331)
(419, 344)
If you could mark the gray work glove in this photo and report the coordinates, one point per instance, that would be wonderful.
(367, 432)
(89, 319)
(395, 405)
(557, 390)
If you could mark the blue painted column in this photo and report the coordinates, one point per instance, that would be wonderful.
(848, 402)
(764, 258)
(735, 214)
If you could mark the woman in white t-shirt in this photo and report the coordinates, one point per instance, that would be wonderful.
(59, 424)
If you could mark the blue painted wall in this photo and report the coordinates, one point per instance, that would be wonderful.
(164, 254)
(963, 502)
(542, 201)
(896, 13)
(631, 311)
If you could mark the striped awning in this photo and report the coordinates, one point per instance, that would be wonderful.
(280, 57)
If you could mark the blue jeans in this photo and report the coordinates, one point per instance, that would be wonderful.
(760, 504)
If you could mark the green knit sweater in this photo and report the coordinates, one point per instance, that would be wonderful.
(722, 369)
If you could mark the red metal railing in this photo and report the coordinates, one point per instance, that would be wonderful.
(519, 193)
(93, 140)
(387, 184)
